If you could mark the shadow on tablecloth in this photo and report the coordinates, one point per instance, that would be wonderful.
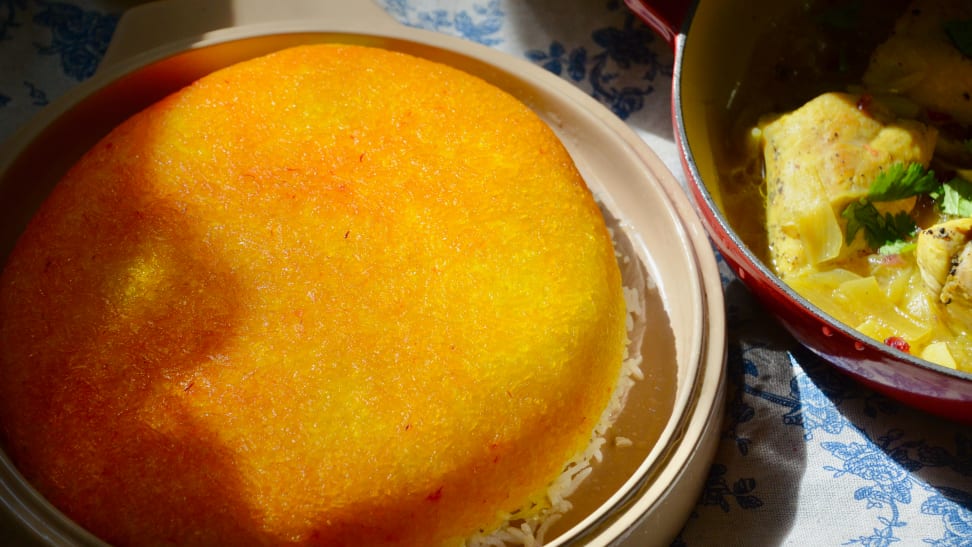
(805, 449)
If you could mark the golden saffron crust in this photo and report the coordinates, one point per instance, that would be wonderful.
(335, 295)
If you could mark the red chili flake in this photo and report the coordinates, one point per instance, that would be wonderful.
(435, 496)
(864, 103)
(898, 343)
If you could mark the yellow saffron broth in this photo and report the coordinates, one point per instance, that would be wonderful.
(881, 296)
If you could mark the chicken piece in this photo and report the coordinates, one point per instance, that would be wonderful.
(920, 61)
(943, 255)
(937, 246)
(821, 157)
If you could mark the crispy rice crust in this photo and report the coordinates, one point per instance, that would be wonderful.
(334, 295)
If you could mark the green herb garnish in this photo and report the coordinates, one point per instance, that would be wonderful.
(960, 33)
(894, 183)
(900, 182)
(897, 247)
(879, 230)
(889, 233)
(954, 197)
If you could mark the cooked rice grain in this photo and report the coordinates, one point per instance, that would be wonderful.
(531, 532)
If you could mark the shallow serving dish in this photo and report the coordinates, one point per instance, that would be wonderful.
(161, 47)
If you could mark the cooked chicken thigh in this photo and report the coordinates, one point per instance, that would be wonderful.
(937, 247)
(944, 256)
(921, 61)
(821, 157)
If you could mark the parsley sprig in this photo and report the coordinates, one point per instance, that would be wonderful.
(890, 233)
(879, 230)
(894, 183)
(900, 182)
(954, 197)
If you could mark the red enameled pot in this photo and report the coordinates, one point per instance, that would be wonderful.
(713, 42)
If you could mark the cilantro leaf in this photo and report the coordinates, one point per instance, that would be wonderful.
(955, 197)
(858, 214)
(899, 182)
(879, 230)
(888, 231)
(897, 247)
(960, 32)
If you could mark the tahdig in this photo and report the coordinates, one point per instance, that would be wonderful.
(333, 295)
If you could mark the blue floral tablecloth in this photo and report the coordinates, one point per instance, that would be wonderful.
(806, 456)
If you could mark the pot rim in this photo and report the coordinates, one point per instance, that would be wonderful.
(707, 207)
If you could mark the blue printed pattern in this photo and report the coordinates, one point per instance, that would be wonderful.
(889, 485)
(80, 38)
(718, 492)
(480, 23)
(884, 465)
(8, 15)
(620, 73)
(955, 509)
(37, 95)
(619, 70)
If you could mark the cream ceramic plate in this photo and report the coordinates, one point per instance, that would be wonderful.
(652, 219)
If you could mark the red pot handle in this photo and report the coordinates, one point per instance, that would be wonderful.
(664, 16)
